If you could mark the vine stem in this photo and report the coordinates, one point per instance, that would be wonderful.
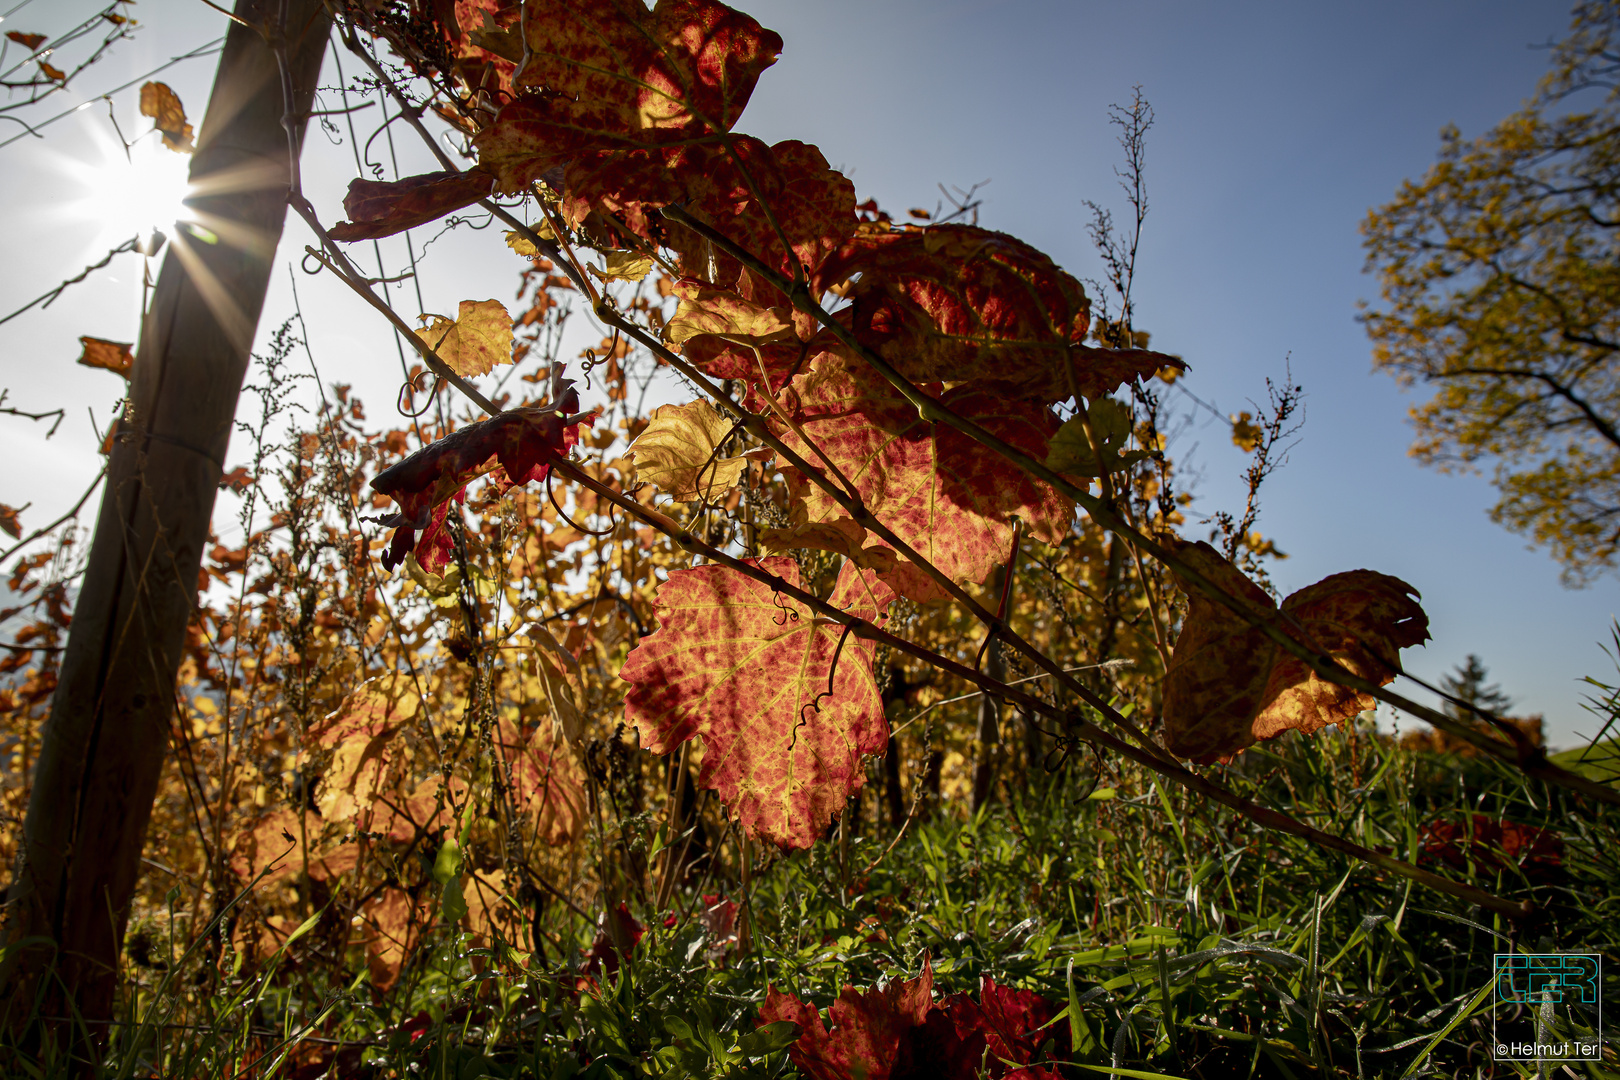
(1528, 758)
(1267, 818)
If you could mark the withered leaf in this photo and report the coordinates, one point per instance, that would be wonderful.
(31, 42)
(1229, 686)
(168, 116)
(9, 521)
(114, 356)
(379, 208)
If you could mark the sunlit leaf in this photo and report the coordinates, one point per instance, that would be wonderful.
(379, 208)
(115, 356)
(747, 669)
(168, 116)
(679, 452)
(478, 339)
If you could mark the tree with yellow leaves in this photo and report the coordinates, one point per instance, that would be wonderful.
(1502, 292)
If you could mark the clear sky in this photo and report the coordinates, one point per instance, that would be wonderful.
(1278, 126)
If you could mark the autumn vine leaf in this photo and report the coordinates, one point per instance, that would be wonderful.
(475, 341)
(519, 442)
(937, 489)
(114, 356)
(31, 42)
(706, 309)
(1229, 686)
(749, 669)
(360, 734)
(1073, 453)
(870, 1032)
(952, 303)
(168, 116)
(618, 76)
(679, 452)
(843, 536)
(379, 208)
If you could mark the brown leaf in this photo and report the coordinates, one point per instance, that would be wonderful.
(168, 116)
(31, 42)
(114, 356)
(379, 208)
(9, 522)
(53, 72)
(1228, 685)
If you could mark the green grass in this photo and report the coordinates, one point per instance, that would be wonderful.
(1190, 942)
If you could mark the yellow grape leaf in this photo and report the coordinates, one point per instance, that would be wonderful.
(704, 309)
(560, 679)
(841, 535)
(677, 452)
(168, 116)
(360, 733)
(520, 243)
(114, 356)
(478, 339)
(623, 266)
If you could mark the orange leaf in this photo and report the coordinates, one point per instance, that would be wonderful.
(360, 734)
(1229, 686)
(168, 116)
(52, 71)
(392, 923)
(114, 356)
(746, 669)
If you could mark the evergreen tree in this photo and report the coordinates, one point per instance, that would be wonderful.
(1468, 685)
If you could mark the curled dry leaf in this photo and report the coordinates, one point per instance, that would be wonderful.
(622, 266)
(31, 42)
(1229, 686)
(520, 442)
(679, 452)
(115, 356)
(360, 733)
(845, 536)
(10, 521)
(168, 116)
(379, 208)
(706, 309)
(747, 669)
(479, 338)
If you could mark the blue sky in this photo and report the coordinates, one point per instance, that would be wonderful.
(1278, 126)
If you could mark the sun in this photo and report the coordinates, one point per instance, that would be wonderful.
(135, 192)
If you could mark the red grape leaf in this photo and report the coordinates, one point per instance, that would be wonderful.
(1004, 1025)
(114, 356)
(616, 76)
(1495, 844)
(941, 492)
(519, 441)
(168, 116)
(1228, 686)
(955, 302)
(747, 669)
(378, 208)
(870, 1034)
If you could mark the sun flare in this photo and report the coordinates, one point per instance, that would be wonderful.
(136, 194)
